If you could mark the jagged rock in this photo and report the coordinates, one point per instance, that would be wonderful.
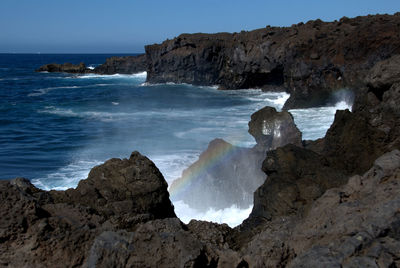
(351, 226)
(35, 232)
(383, 75)
(224, 175)
(57, 228)
(272, 129)
(123, 65)
(296, 177)
(66, 67)
(309, 60)
(129, 190)
(357, 138)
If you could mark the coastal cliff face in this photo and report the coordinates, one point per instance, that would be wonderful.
(309, 61)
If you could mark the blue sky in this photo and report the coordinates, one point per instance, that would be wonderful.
(106, 26)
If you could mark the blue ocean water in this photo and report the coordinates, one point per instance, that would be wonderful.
(55, 127)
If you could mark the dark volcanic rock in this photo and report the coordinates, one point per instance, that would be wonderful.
(308, 60)
(113, 65)
(357, 138)
(128, 191)
(351, 226)
(123, 65)
(56, 228)
(272, 129)
(296, 177)
(66, 67)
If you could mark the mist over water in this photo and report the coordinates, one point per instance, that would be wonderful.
(56, 127)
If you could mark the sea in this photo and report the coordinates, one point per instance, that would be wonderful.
(54, 127)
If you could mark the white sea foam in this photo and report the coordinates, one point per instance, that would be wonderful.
(140, 76)
(171, 165)
(114, 103)
(314, 122)
(232, 216)
(67, 176)
(42, 91)
(102, 116)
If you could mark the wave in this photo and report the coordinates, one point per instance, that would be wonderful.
(233, 216)
(67, 176)
(141, 75)
(102, 116)
(43, 91)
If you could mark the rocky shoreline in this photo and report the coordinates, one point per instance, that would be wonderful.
(309, 60)
(334, 202)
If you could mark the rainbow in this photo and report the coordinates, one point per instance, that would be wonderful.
(218, 152)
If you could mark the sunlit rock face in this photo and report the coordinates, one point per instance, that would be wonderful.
(272, 129)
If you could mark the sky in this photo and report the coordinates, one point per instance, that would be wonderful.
(123, 26)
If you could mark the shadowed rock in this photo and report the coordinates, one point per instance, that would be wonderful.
(57, 228)
(66, 68)
(123, 65)
(296, 177)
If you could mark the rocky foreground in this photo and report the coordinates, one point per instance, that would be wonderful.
(334, 202)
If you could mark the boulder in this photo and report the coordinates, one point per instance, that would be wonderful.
(128, 191)
(272, 129)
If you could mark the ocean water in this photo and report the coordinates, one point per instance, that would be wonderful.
(55, 127)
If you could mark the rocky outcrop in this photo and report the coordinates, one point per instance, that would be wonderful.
(296, 177)
(355, 225)
(226, 175)
(309, 60)
(56, 228)
(272, 129)
(123, 65)
(65, 68)
(113, 65)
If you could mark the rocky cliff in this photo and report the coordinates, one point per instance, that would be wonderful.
(309, 60)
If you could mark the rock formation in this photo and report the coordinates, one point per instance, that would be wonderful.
(66, 67)
(308, 60)
(58, 228)
(272, 129)
(123, 65)
(113, 65)
(226, 175)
